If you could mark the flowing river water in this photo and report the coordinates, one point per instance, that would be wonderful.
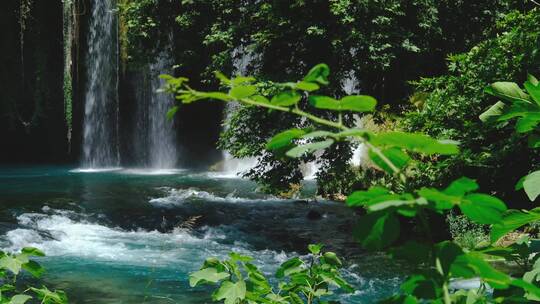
(113, 237)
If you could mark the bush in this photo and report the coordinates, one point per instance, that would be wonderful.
(451, 104)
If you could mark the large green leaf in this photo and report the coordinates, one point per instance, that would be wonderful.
(318, 74)
(31, 251)
(377, 230)
(288, 267)
(512, 220)
(240, 92)
(211, 275)
(531, 184)
(395, 155)
(493, 112)
(533, 88)
(442, 200)
(415, 142)
(358, 103)
(507, 90)
(286, 98)
(231, 293)
(363, 198)
(324, 102)
(284, 139)
(19, 299)
(308, 148)
(306, 86)
(461, 187)
(483, 208)
(12, 264)
(528, 123)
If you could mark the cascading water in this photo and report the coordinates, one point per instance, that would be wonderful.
(350, 84)
(155, 145)
(242, 61)
(161, 135)
(100, 129)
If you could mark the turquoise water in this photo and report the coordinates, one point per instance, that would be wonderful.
(113, 237)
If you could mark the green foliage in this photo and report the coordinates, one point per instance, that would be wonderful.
(11, 266)
(437, 263)
(493, 154)
(300, 280)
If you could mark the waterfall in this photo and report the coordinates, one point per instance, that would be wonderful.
(161, 134)
(243, 58)
(351, 85)
(100, 127)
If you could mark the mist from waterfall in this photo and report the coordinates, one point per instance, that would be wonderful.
(243, 59)
(351, 85)
(161, 133)
(101, 123)
(155, 145)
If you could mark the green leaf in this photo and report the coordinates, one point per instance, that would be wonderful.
(399, 158)
(19, 299)
(533, 88)
(288, 267)
(34, 269)
(508, 91)
(307, 86)
(531, 184)
(308, 148)
(512, 220)
(528, 123)
(483, 208)
(222, 78)
(318, 134)
(377, 230)
(461, 187)
(12, 264)
(318, 74)
(415, 142)
(493, 112)
(362, 198)
(324, 102)
(210, 275)
(315, 248)
(172, 111)
(50, 297)
(358, 103)
(284, 139)
(235, 257)
(31, 251)
(442, 200)
(241, 92)
(332, 259)
(295, 299)
(286, 98)
(231, 292)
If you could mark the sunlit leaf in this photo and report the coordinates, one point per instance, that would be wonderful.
(395, 155)
(512, 220)
(531, 184)
(415, 142)
(231, 293)
(240, 92)
(308, 148)
(318, 74)
(286, 98)
(358, 103)
(206, 275)
(483, 208)
(284, 139)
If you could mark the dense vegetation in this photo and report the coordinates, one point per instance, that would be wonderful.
(437, 263)
(432, 91)
(377, 47)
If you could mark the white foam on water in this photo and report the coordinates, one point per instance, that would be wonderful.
(59, 235)
(148, 171)
(96, 170)
(177, 197)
